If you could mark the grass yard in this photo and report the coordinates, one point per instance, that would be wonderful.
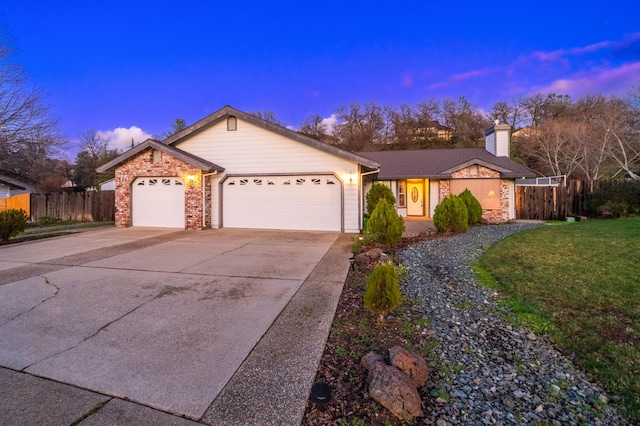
(580, 284)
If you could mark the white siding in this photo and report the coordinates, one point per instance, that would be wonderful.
(502, 143)
(490, 143)
(434, 195)
(512, 200)
(251, 150)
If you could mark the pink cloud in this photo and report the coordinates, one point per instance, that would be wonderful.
(407, 79)
(582, 50)
(602, 80)
(457, 78)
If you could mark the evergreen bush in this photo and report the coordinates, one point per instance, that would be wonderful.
(383, 290)
(611, 197)
(384, 226)
(474, 209)
(12, 222)
(451, 215)
(378, 192)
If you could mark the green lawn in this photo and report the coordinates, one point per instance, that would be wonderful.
(580, 284)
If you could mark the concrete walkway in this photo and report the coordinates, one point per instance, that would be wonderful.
(67, 366)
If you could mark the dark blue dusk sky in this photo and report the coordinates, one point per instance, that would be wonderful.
(136, 66)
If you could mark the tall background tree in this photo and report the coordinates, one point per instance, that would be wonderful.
(94, 151)
(29, 133)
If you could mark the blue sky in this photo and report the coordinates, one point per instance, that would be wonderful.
(130, 68)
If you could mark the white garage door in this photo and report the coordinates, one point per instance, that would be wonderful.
(282, 202)
(158, 202)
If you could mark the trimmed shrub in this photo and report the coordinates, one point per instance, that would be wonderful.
(384, 226)
(383, 291)
(451, 215)
(378, 192)
(474, 209)
(12, 222)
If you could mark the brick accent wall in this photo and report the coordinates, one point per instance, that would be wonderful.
(143, 165)
(475, 172)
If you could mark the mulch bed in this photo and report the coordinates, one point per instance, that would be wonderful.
(355, 332)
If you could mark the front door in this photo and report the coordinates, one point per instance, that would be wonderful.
(415, 198)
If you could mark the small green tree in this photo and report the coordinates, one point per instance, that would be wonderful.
(383, 290)
(384, 226)
(378, 192)
(12, 222)
(474, 209)
(451, 215)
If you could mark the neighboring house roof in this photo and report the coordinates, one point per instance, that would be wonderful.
(15, 181)
(12, 185)
(440, 163)
(188, 158)
(228, 111)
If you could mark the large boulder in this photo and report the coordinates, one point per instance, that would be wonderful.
(373, 363)
(412, 364)
(395, 391)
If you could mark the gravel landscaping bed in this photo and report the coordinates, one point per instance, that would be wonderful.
(484, 371)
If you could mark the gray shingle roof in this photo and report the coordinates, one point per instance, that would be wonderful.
(440, 163)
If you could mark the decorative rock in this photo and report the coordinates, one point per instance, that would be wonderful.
(510, 370)
(373, 363)
(374, 253)
(411, 364)
(395, 391)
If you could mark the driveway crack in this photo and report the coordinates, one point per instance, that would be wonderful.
(55, 293)
(90, 336)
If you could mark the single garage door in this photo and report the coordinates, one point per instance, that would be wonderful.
(282, 202)
(158, 202)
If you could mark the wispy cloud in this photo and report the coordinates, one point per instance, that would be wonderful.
(558, 54)
(605, 67)
(460, 77)
(602, 80)
(120, 138)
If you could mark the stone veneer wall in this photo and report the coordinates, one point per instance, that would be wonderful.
(142, 165)
(483, 173)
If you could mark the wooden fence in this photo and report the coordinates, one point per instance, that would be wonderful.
(20, 201)
(87, 206)
(557, 202)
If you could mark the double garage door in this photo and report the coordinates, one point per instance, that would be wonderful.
(310, 202)
(282, 202)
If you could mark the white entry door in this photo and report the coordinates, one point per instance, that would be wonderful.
(282, 202)
(415, 198)
(158, 202)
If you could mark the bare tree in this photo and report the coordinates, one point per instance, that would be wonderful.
(94, 152)
(619, 120)
(360, 126)
(466, 122)
(510, 112)
(29, 134)
(313, 126)
(269, 116)
(553, 149)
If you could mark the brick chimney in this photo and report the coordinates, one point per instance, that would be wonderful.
(497, 139)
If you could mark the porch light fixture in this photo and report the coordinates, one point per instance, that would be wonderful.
(320, 395)
(191, 179)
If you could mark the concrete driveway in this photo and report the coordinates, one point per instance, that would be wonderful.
(160, 317)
